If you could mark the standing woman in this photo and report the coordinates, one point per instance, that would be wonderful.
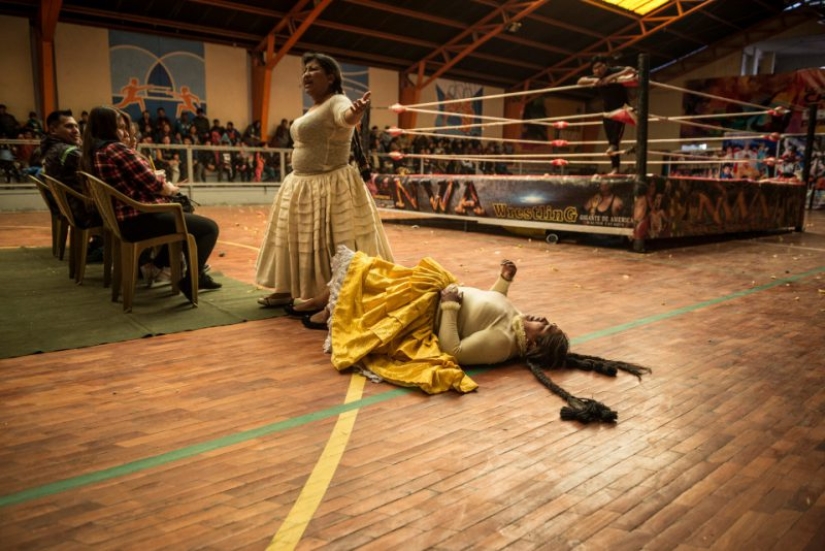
(107, 156)
(323, 202)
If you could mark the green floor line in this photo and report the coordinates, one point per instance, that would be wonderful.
(240, 437)
(197, 449)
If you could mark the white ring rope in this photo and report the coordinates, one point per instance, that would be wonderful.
(474, 116)
(711, 96)
(661, 118)
(707, 139)
(724, 115)
(554, 122)
(496, 96)
(481, 138)
(561, 122)
(491, 158)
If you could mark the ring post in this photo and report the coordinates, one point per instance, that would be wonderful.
(642, 117)
(641, 136)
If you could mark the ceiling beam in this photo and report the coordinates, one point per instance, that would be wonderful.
(241, 7)
(393, 63)
(47, 16)
(422, 16)
(643, 27)
(45, 27)
(469, 40)
(294, 16)
(412, 14)
(736, 43)
(110, 19)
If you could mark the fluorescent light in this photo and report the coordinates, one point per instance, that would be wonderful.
(642, 7)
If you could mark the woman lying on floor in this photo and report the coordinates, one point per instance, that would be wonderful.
(416, 327)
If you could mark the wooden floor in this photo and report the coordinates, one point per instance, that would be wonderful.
(244, 437)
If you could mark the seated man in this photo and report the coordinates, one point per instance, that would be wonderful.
(61, 153)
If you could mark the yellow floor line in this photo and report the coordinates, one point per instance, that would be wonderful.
(290, 532)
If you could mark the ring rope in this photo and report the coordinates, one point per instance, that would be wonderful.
(553, 121)
(479, 138)
(662, 118)
(710, 96)
(497, 96)
(482, 117)
(491, 158)
(705, 139)
(549, 121)
(723, 115)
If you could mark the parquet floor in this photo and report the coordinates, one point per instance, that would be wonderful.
(245, 438)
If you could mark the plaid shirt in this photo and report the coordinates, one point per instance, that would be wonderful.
(122, 168)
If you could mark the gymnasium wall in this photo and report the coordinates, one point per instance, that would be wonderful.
(83, 79)
(16, 74)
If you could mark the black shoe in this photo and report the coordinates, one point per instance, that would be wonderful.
(309, 324)
(289, 308)
(206, 283)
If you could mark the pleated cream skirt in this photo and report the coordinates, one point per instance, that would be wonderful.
(311, 216)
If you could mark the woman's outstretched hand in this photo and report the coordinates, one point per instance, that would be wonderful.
(356, 111)
(452, 294)
(508, 270)
(360, 105)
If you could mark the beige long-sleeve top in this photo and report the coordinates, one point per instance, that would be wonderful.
(322, 137)
(485, 328)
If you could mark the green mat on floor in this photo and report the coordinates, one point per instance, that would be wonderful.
(42, 310)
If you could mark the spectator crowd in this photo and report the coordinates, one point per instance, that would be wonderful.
(224, 153)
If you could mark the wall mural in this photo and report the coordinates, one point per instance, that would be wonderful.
(462, 112)
(151, 72)
(798, 88)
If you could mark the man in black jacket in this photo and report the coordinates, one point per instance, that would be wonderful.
(61, 153)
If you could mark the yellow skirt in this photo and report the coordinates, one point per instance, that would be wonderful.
(383, 321)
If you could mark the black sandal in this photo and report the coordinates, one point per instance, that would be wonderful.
(289, 308)
(309, 324)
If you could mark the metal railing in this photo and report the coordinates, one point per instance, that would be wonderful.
(239, 167)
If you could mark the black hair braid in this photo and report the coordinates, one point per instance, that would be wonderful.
(605, 367)
(583, 410)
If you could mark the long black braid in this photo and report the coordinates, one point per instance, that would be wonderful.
(552, 352)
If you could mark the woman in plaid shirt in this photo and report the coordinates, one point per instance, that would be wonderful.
(120, 166)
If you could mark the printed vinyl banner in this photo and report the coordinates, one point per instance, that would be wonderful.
(659, 208)
(798, 88)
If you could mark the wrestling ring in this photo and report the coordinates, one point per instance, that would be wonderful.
(724, 182)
